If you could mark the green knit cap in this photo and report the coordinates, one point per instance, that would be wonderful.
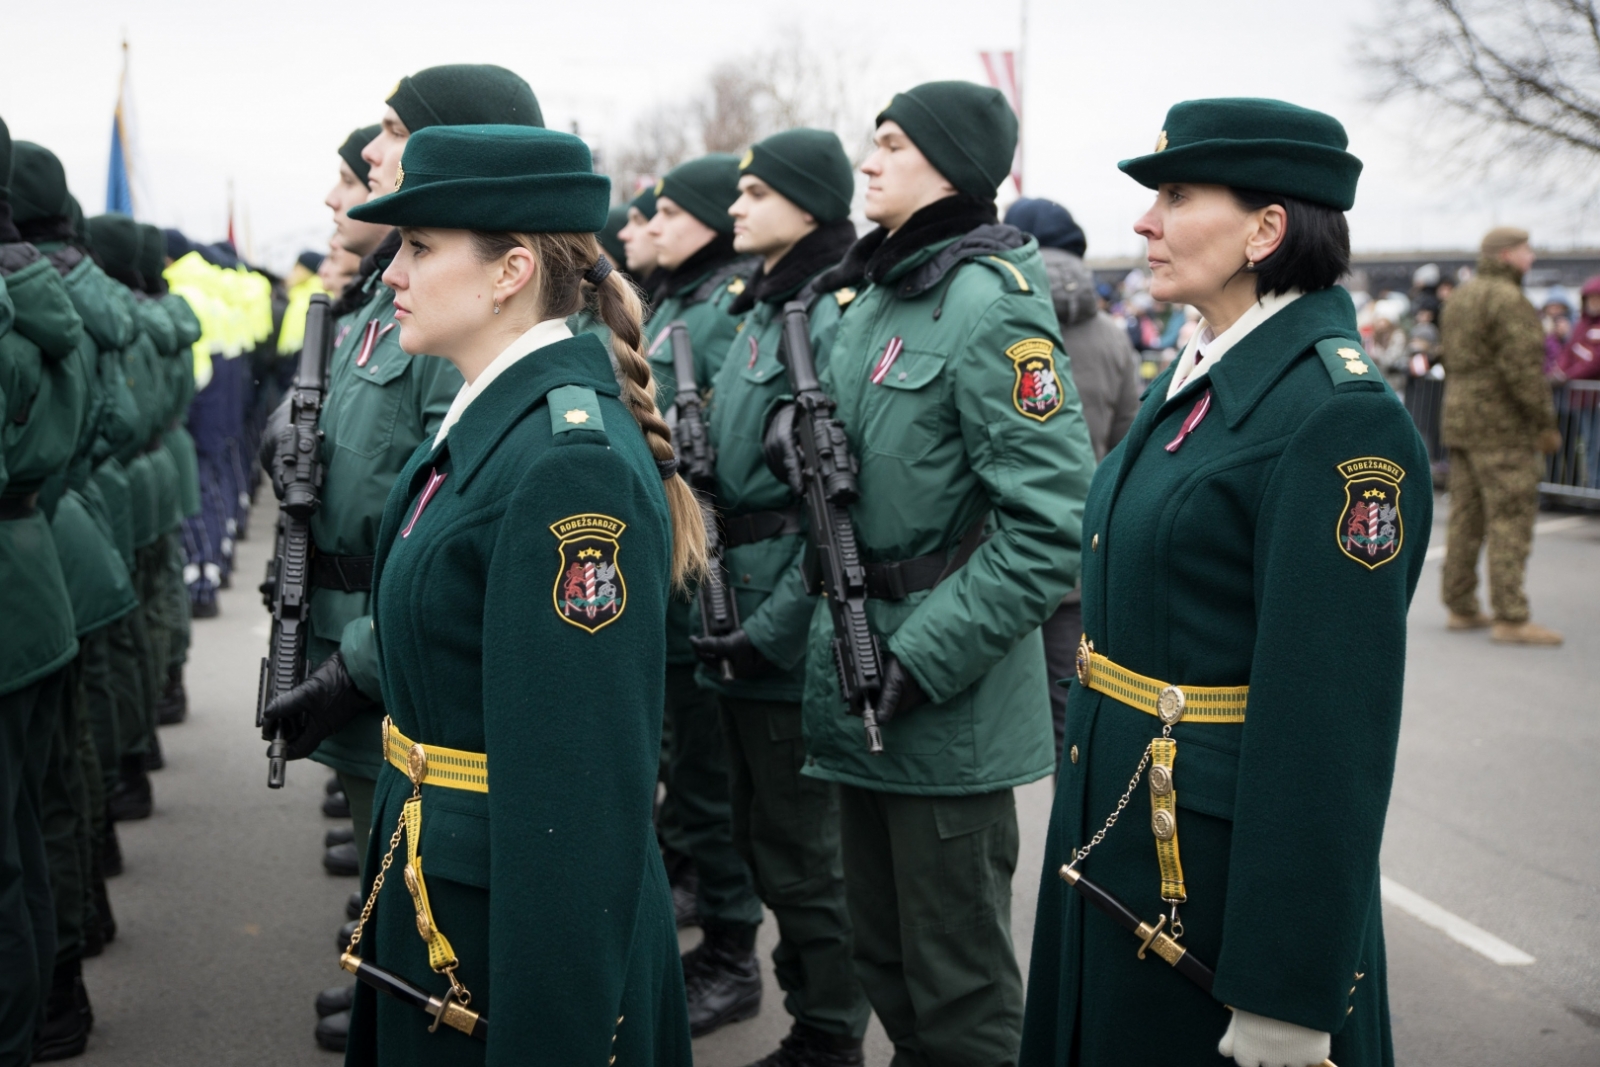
(645, 202)
(115, 239)
(706, 188)
(5, 162)
(1249, 143)
(464, 94)
(38, 183)
(967, 131)
(808, 167)
(152, 252)
(497, 179)
(616, 219)
(350, 151)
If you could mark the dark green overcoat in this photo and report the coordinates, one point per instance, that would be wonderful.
(519, 612)
(1252, 553)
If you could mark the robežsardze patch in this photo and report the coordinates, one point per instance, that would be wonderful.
(1037, 390)
(589, 592)
(1370, 529)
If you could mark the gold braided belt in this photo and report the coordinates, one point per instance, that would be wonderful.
(450, 768)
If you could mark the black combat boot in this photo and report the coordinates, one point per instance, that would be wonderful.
(346, 932)
(685, 883)
(722, 978)
(353, 906)
(807, 1046)
(154, 760)
(174, 705)
(336, 806)
(333, 1031)
(332, 1001)
(103, 919)
(131, 797)
(111, 850)
(342, 860)
(339, 835)
(67, 1016)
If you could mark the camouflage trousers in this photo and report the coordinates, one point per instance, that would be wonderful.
(1494, 495)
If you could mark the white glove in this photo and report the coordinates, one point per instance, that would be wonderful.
(1257, 1041)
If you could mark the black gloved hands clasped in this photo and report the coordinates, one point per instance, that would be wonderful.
(317, 708)
(742, 657)
(901, 691)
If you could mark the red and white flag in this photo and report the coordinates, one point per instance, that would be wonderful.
(1001, 67)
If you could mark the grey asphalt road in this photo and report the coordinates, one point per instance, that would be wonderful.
(227, 920)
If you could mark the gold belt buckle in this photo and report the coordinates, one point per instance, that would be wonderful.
(417, 764)
(1085, 659)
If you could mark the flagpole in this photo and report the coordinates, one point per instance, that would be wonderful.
(1022, 83)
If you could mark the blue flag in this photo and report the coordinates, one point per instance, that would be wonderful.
(119, 196)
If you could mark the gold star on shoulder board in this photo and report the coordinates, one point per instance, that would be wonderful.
(1356, 367)
(576, 416)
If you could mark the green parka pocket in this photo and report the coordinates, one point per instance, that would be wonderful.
(908, 411)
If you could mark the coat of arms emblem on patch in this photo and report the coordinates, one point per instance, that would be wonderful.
(589, 591)
(1037, 391)
(1370, 529)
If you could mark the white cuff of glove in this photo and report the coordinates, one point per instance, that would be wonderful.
(1257, 1041)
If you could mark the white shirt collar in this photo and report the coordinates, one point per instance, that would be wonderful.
(537, 336)
(1206, 349)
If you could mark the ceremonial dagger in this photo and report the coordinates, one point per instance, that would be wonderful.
(443, 1009)
(1154, 937)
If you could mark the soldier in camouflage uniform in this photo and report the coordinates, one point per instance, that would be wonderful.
(1498, 419)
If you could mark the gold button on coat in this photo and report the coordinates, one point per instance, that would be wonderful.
(1072, 753)
(1094, 543)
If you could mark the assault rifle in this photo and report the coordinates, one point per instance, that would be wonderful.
(719, 613)
(286, 591)
(828, 472)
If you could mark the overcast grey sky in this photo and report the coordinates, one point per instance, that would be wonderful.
(263, 94)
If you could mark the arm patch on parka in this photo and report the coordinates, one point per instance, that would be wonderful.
(1036, 392)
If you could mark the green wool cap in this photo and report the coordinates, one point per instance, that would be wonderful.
(38, 183)
(706, 188)
(74, 215)
(497, 179)
(464, 94)
(152, 251)
(115, 239)
(350, 151)
(808, 167)
(967, 131)
(616, 219)
(1250, 143)
(645, 202)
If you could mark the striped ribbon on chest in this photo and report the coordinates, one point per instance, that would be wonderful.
(1196, 414)
(891, 352)
(369, 340)
(435, 480)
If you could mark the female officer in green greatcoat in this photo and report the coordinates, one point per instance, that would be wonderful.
(524, 562)
(1253, 546)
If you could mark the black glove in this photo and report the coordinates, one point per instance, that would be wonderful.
(743, 657)
(779, 448)
(277, 446)
(316, 709)
(901, 692)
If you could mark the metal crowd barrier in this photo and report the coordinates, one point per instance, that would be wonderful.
(1571, 475)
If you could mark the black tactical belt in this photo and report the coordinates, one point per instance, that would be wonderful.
(21, 506)
(898, 580)
(349, 574)
(759, 526)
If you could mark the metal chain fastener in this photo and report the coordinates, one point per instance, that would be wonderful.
(1111, 820)
(383, 869)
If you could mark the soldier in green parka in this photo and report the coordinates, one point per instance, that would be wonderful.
(793, 207)
(699, 275)
(524, 563)
(44, 401)
(974, 460)
(1254, 543)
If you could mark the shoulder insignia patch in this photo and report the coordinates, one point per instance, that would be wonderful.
(844, 296)
(1370, 529)
(572, 407)
(1036, 393)
(736, 286)
(589, 591)
(1008, 270)
(1346, 362)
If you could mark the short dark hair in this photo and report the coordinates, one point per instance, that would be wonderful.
(1315, 250)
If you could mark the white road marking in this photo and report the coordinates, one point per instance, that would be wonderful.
(1548, 526)
(1453, 926)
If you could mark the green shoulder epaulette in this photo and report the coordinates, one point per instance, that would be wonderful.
(1346, 361)
(1015, 281)
(574, 407)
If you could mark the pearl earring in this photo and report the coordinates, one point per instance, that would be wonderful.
(497, 309)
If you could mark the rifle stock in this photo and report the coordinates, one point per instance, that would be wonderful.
(286, 590)
(829, 473)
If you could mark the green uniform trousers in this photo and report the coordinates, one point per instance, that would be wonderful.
(64, 816)
(129, 641)
(1494, 495)
(698, 783)
(27, 916)
(928, 879)
(175, 604)
(101, 691)
(786, 826)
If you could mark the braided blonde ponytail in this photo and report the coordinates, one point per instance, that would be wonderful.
(564, 258)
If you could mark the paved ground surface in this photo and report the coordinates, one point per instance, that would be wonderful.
(227, 919)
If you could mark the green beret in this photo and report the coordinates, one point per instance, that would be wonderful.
(115, 239)
(5, 162)
(616, 219)
(645, 202)
(1249, 143)
(38, 183)
(350, 151)
(967, 131)
(152, 252)
(497, 179)
(808, 167)
(464, 94)
(706, 188)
